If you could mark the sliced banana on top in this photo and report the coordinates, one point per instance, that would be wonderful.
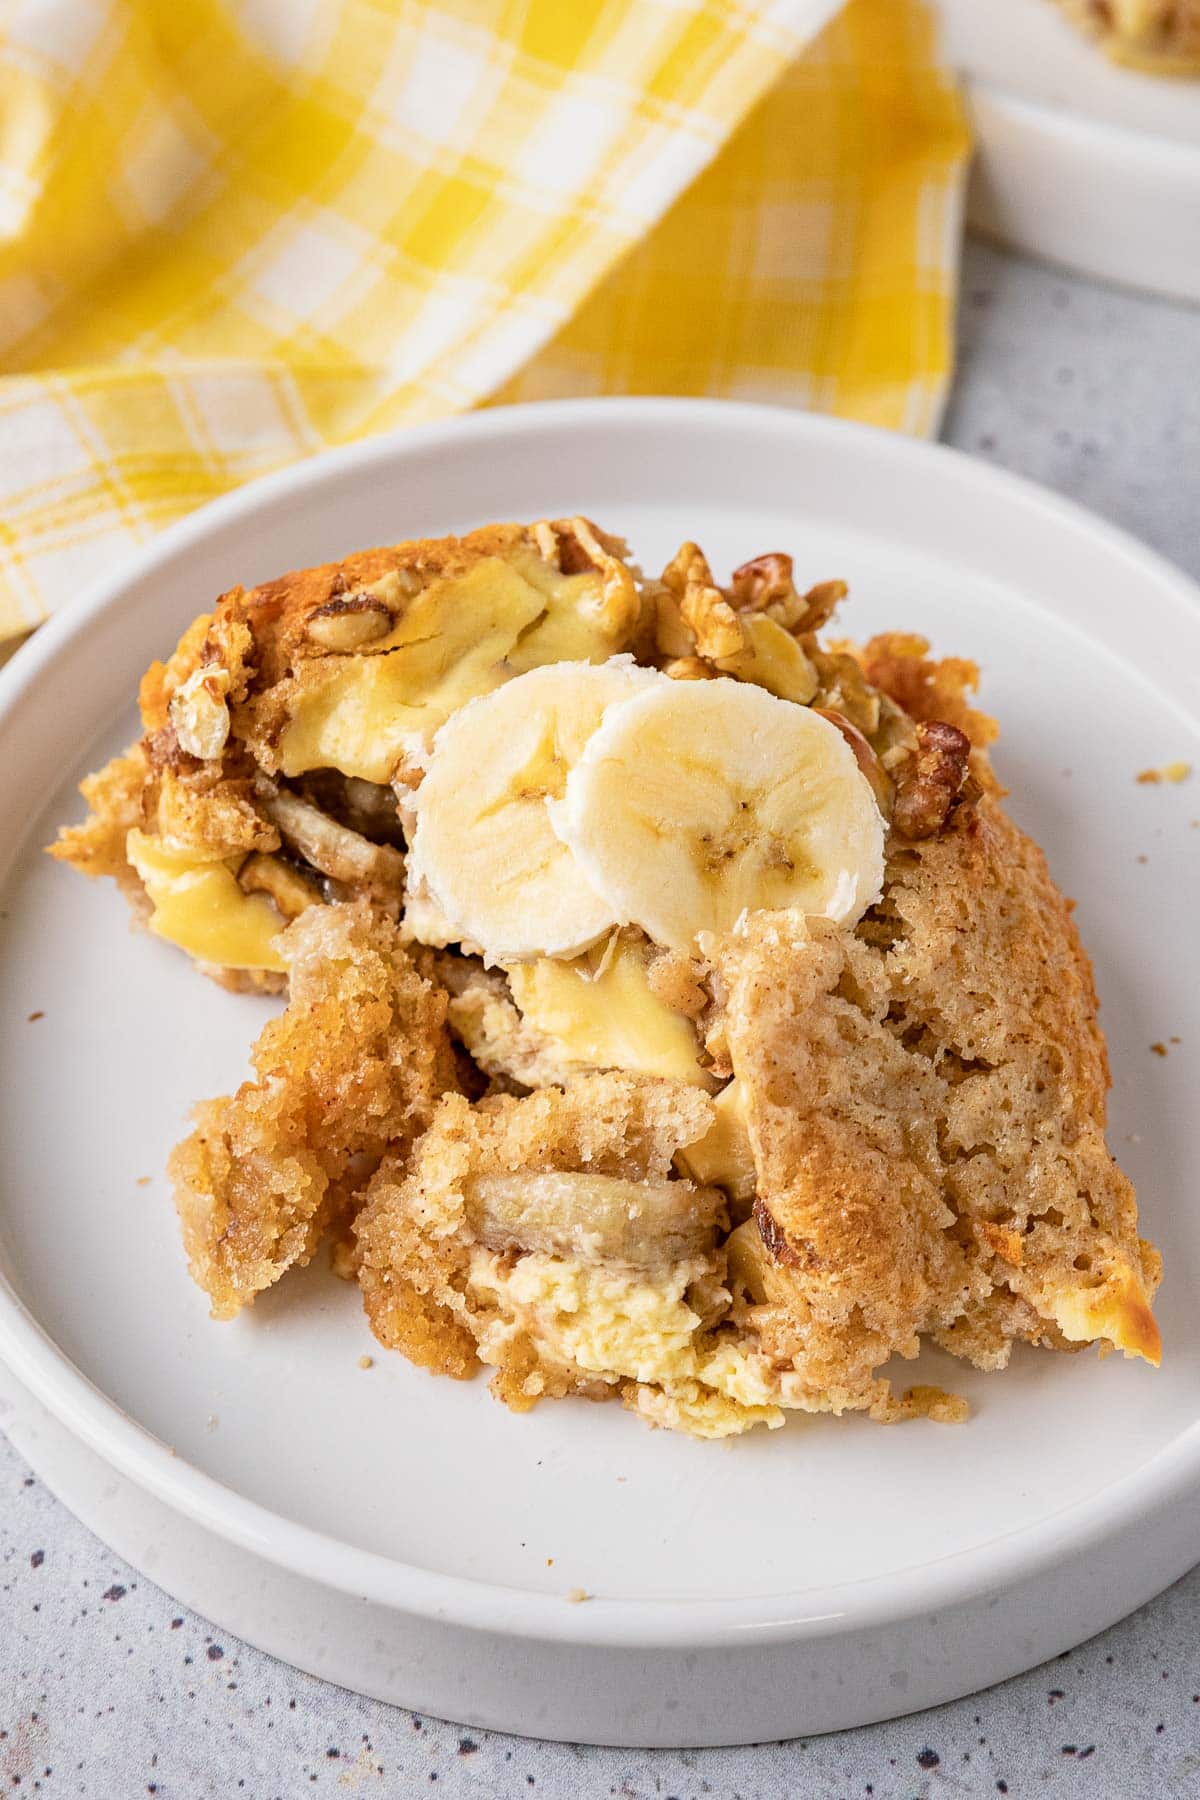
(484, 856)
(696, 801)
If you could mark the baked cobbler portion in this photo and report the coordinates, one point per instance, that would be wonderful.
(1161, 36)
(673, 1012)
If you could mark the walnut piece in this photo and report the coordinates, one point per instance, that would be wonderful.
(576, 545)
(762, 581)
(349, 622)
(819, 605)
(928, 785)
(689, 668)
(765, 584)
(706, 612)
(199, 713)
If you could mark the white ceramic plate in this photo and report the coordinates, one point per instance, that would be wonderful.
(407, 1536)
(1079, 161)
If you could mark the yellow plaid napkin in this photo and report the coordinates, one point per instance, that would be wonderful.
(234, 232)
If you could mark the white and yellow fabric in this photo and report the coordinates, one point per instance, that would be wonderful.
(233, 233)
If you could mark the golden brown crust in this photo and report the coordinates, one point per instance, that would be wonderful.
(115, 797)
(276, 612)
(927, 1115)
(928, 688)
(215, 815)
(351, 1068)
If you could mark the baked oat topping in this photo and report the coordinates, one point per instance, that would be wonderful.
(673, 1015)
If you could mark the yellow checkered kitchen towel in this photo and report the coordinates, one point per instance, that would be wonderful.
(234, 232)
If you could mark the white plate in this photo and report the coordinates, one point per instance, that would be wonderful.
(1079, 161)
(407, 1536)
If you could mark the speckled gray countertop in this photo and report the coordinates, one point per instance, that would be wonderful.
(108, 1689)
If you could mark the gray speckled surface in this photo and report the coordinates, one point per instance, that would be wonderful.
(1085, 388)
(108, 1689)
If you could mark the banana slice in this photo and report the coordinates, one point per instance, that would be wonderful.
(484, 856)
(697, 801)
(647, 1224)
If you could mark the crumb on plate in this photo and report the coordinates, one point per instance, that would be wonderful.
(1172, 771)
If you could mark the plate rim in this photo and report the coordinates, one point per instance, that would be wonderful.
(1080, 155)
(1094, 136)
(1171, 1473)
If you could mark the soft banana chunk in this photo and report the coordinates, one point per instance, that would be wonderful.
(483, 849)
(642, 1224)
(601, 1013)
(724, 1155)
(698, 801)
(200, 907)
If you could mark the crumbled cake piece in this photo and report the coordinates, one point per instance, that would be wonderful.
(927, 1115)
(352, 1068)
(114, 796)
(1173, 772)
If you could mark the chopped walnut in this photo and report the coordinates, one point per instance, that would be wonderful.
(577, 545)
(199, 712)
(928, 785)
(895, 738)
(349, 621)
(820, 603)
(715, 627)
(672, 638)
(690, 668)
(843, 688)
(765, 584)
(762, 581)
